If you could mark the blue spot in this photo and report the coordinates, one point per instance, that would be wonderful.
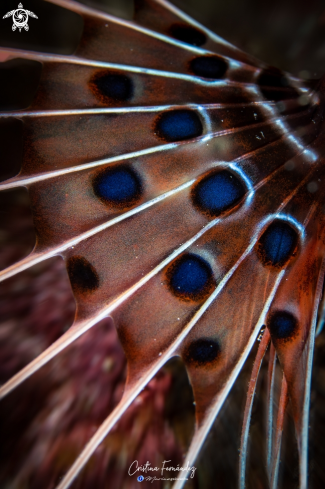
(202, 351)
(282, 325)
(190, 277)
(140, 478)
(213, 67)
(177, 125)
(118, 186)
(113, 86)
(277, 244)
(217, 192)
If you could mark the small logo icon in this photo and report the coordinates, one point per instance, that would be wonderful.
(140, 478)
(20, 18)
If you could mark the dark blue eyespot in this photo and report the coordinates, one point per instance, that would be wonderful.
(277, 244)
(190, 277)
(82, 275)
(217, 191)
(178, 125)
(213, 67)
(113, 86)
(282, 325)
(202, 351)
(118, 186)
(187, 34)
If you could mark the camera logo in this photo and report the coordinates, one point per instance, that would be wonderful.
(20, 18)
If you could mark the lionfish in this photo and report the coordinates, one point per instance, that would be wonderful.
(180, 182)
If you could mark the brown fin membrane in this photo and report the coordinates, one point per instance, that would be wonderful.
(108, 38)
(164, 17)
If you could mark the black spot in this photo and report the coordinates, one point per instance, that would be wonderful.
(213, 67)
(275, 86)
(190, 277)
(282, 325)
(278, 243)
(272, 77)
(217, 191)
(187, 34)
(118, 186)
(178, 125)
(202, 352)
(83, 276)
(113, 86)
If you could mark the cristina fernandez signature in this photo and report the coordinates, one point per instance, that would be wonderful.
(135, 467)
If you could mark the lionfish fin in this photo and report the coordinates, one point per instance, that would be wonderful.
(269, 413)
(278, 434)
(264, 343)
